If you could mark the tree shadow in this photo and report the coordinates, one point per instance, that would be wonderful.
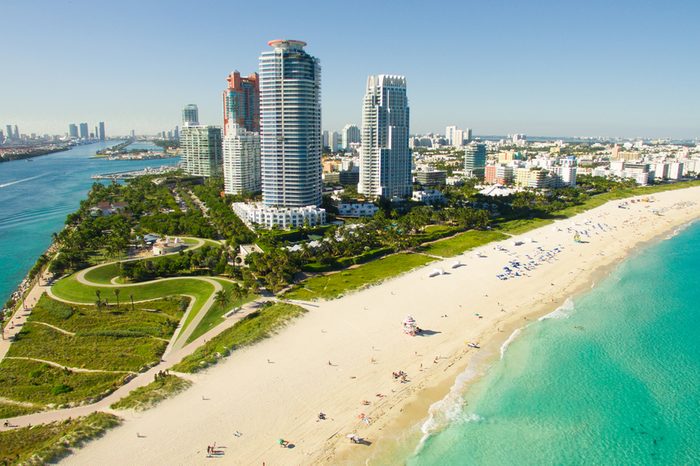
(427, 333)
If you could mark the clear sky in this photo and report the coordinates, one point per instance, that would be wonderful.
(559, 68)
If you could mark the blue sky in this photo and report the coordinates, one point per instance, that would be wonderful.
(576, 68)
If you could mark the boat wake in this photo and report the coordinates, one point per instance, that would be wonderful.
(10, 183)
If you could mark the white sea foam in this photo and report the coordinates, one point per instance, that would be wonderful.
(562, 312)
(510, 340)
(449, 409)
(678, 230)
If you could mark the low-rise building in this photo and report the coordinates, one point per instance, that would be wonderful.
(168, 246)
(357, 209)
(432, 196)
(431, 177)
(262, 216)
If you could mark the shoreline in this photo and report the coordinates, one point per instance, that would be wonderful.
(470, 368)
(331, 372)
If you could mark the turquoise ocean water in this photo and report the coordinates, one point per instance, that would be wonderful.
(36, 196)
(612, 378)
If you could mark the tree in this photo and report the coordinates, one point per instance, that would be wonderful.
(222, 298)
(131, 296)
(116, 295)
(98, 303)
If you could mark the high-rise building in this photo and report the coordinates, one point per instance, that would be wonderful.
(16, 136)
(468, 134)
(334, 141)
(350, 135)
(101, 134)
(458, 138)
(242, 102)
(201, 149)
(2, 137)
(241, 160)
(450, 134)
(385, 159)
(290, 125)
(73, 130)
(84, 132)
(475, 159)
(9, 132)
(326, 138)
(176, 133)
(190, 115)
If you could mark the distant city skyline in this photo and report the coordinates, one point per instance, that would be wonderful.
(610, 69)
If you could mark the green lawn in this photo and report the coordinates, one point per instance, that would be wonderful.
(103, 274)
(107, 339)
(215, 314)
(48, 443)
(462, 242)
(146, 397)
(335, 285)
(522, 225)
(45, 385)
(70, 289)
(254, 327)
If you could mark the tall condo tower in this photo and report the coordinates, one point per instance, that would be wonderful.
(241, 160)
(102, 136)
(290, 125)
(385, 159)
(475, 159)
(242, 102)
(350, 135)
(190, 115)
(84, 132)
(201, 147)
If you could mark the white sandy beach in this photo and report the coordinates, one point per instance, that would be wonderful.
(360, 335)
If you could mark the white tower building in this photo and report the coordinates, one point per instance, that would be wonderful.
(241, 160)
(385, 159)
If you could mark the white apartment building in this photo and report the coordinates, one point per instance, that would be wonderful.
(241, 150)
(259, 215)
(385, 159)
(357, 209)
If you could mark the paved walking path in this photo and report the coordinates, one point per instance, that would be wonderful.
(58, 329)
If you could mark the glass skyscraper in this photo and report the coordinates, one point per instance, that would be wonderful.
(190, 115)
(290, 125)
(475, 159)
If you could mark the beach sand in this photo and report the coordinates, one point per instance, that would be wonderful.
(344, 351)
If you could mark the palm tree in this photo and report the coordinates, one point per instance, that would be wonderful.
(131, 297)
(116, 294)
(98, 302)
(222, 298)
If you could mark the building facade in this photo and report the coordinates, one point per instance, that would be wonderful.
(201, 150)
(290, 125)
(84, 131)
(242, 102)
(475, 159)
(385, 159)
(350, 135)
(190, 115)
(101, 131)
(241, 152)
(73, 130)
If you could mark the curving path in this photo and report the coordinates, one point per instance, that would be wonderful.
(72, 369)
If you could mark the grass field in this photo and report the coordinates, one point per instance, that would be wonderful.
(335, 285)
(48, 386)
(48, 443)
(254, 327)
(103, 274)
(107, 339)
(462, 242)
(146, 397)
(12, 409)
